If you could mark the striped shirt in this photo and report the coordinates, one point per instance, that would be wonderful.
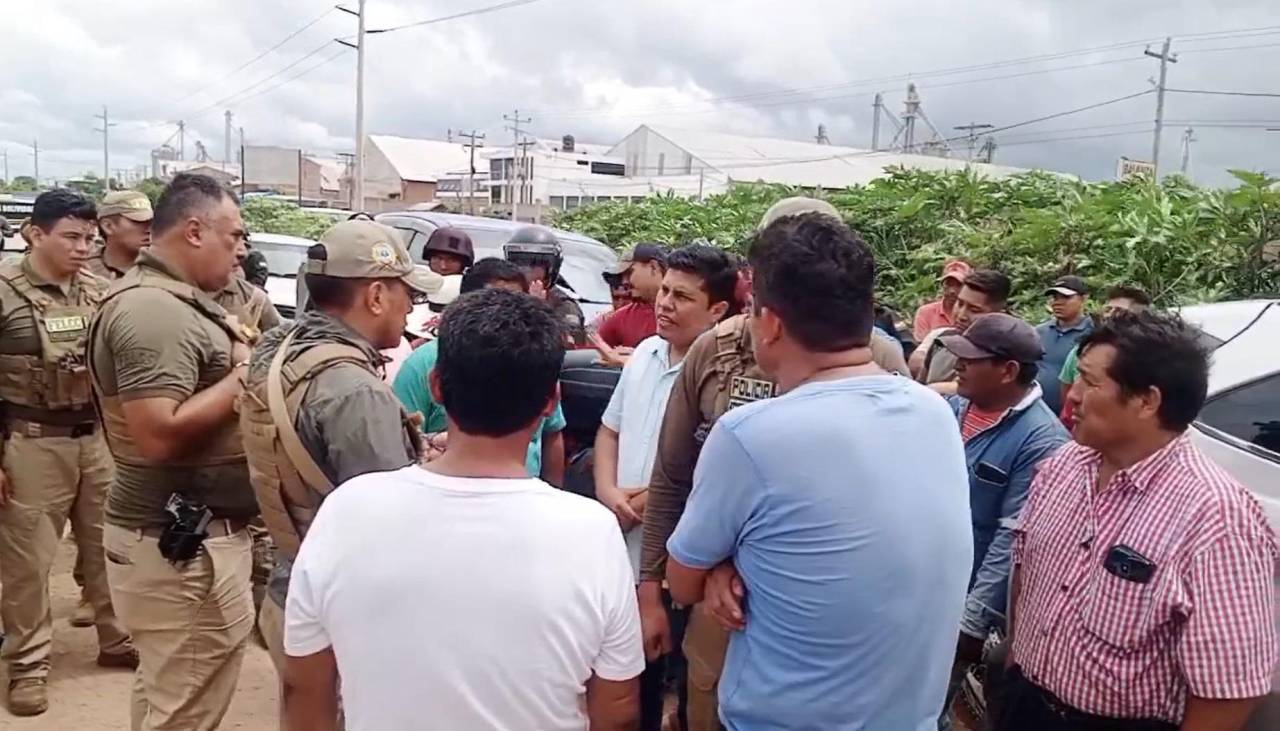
(1202, 625)
(976, 421)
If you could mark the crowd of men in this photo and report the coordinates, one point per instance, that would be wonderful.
(796, 525)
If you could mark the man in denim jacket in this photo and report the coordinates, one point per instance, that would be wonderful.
(1007, 430)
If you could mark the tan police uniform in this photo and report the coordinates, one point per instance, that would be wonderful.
(128, 203)
(54, 458)
(307, 384)
(157, 336)
(252, 308)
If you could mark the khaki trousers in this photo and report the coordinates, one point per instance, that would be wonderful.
(52, 480)
(189, 622)
(705, 644)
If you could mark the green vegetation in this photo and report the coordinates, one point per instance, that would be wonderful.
(1181, 242)
(279, 217)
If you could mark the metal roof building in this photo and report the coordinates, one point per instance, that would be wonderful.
(656, 150)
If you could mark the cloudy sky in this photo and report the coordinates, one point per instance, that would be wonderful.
(599, 68)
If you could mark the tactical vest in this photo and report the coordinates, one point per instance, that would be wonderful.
(739, 381)
(286, 479)
(58, 378)
(224, 445)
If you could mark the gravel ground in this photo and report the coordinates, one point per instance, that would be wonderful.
(86, 697)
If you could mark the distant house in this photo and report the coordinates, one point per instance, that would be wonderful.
(402, 171)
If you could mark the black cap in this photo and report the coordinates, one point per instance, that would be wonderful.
(996, 335)
(1068, 286)
(643, 253)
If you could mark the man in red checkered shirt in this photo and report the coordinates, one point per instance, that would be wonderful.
(1144, 587)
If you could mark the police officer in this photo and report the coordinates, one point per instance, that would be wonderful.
(55, 463)
(250, 304)
(719, 374)
(537, 251)
(167, 366)
(449, 251)
(124, 222)
(311, 382)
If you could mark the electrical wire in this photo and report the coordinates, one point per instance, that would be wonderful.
(1211, 92)
(245, 100)
(455, 16)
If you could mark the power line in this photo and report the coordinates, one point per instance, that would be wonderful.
(1231, 48)
(1210, 92)
(456, 16)
(260, 56)
(300, 74)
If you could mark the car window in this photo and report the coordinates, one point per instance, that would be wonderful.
(283, 260)
(1250, 412)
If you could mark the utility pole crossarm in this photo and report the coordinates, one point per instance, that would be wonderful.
(516, 150)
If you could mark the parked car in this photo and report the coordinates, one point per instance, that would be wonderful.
(585, 258)
(1239, 427)
(1240, 424)
(285, 256)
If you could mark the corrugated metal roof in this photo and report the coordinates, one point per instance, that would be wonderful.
(791, 162)
(421, 161)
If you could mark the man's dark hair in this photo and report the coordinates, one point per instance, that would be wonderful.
(1130, 292)
(54, 205)
(186, 196)
(1027, 373)
(819, 277)
(489, 270)
(1160, 351)
(718, 270)
(995, 285)
(499, 361)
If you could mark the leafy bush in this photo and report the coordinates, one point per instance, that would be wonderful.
(278, 217)
(1180, 242)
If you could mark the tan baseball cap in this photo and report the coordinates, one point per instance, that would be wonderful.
(796, 207)
(369, 250)
(131, 204)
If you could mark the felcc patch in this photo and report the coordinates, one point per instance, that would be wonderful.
(69, 327)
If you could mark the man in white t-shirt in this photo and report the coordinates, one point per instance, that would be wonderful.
(466, 595)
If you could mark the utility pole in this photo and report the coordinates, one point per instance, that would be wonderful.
(876, 106)
(471, 144)
(516, 148)
(1188, 136)
(822, 138)
(106, 154)
(6, 165)
(1166, 58)
(226, 140)
(240, 160)
(35, 151)
(971, 130)
(702, 176)
(182, 140)
(357, 177)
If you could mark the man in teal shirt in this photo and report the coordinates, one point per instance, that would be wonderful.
(545, 458)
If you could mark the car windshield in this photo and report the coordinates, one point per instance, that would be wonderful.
(283, 260)
(582, 273)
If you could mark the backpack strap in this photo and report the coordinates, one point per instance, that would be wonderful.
(306, 366)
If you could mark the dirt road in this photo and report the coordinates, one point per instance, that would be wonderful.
(86, 697)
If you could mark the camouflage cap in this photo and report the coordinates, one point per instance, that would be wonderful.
(131, 204)
(796, 207)
(368, 250)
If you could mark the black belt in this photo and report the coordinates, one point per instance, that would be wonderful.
(38, 429)
(1018, 693)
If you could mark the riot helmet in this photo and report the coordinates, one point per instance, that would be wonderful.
(451, 241)
(535, 246)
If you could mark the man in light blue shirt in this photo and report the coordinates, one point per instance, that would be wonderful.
(697, 291)
(840, 509)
